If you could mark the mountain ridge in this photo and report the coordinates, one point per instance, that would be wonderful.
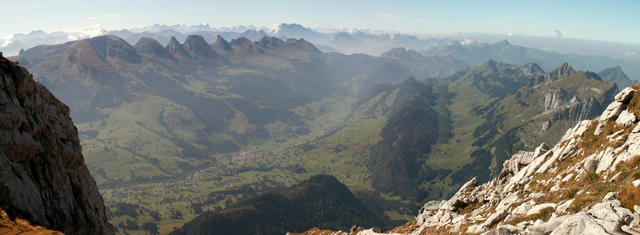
(587, 183)
(314, 201)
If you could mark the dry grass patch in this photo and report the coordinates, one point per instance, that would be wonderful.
(629, 197)
(634, 103)
(406, 228)
(544, 215)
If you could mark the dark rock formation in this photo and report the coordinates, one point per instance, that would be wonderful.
(176, 49)
(198, 47)
(617, 76)
(320, 201)
(43, 177)
(221, 46)
(151, 46)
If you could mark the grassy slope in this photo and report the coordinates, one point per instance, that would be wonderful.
(514, 118)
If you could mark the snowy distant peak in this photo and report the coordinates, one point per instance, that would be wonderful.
(182, 28)
(19, 41)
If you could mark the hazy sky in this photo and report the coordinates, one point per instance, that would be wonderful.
(600, 20)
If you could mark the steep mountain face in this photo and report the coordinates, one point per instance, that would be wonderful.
(258, 111)
(498, 109)
(588, 182)
(314, 202)
(617, 76)
(43, 177)
(200, 101)
(536, 113)
(417, 120)
(438, 134)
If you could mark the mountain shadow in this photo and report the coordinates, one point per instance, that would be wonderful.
(321, 201)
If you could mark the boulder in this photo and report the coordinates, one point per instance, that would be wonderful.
(590, 165)
(625, 95)
(612, 111)
(538, 208)
(626, 118)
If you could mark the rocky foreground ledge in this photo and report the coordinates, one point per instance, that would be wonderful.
(588, 183)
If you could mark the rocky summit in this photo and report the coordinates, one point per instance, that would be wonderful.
(588, 183)
(43, 177)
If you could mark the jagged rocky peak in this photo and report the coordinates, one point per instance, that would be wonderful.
(197, 46)
(616, 75)
(221, 46)
(151, 46)
(502, 43)
(302, 44)
(532, 69)
(242, 43)
(43, 177)
(614, 72)
(588, 183)
(492, 67)
(176, 49)
(401, 53)
(270, 42)
(563, 70)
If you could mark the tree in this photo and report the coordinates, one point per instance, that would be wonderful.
(155, 215)
(176, 214)
(151, 227)
(131, 225)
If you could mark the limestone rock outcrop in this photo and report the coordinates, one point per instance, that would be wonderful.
(43, 177)
(586, 184)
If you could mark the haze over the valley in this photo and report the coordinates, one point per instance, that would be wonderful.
(333, 117)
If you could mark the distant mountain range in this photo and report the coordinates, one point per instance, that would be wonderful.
(547, 52)
(477, 53)
(220, 121)
(587, 183)
(476, 119)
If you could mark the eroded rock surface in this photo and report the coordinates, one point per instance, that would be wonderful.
(586, 184)
(43, 177)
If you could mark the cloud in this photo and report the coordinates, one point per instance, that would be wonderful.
(559, 33)
(387, 15)
(631, 53)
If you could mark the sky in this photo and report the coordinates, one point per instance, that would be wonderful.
(616, 21)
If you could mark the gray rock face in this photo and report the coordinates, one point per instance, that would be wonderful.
(625, 95)
(555, 99)
(521, 189)
(613, 110)
(43, 178)
(604, 218)
(626, 118)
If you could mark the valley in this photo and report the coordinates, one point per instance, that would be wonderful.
(173, 132)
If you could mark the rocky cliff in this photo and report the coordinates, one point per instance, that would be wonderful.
(588, 183)
(43, 177)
